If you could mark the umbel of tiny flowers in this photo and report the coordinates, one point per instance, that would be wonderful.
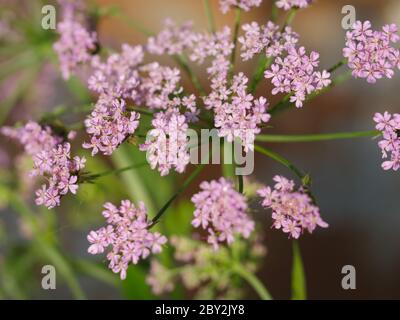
(293, 71)
(123, 77)
(389, 125)
(246, 5)
(266, 37)
(52, 159)
(167, 142)
(370, 53)
(33, 137)
(109, 124)
(293, 210)
(290, 4)
(198, 265)
(222, 212)
(76, 44)
(295, 74)
(127, 233)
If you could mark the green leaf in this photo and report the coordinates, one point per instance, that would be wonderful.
(299, 291)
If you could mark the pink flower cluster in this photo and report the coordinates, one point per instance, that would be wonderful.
(52, 159)
(109, 124)
(157, 87)
(60, 170)
(389, 125)
(128, 235)
(266, 37)
(118, 76)
(76, 43)
(295, 74)
(33, 137)
(167, 142)
(173, 39)
(221, 210)
(370, 53)
(289, 4)
(246, 5)
(237, 114)
(293, 210)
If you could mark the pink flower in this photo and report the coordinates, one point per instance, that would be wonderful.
(109, 124)
(370, 53)
(51, 157)
(246, 5)
(128, 236)
(295, 74)
(267, 38)
(75, 45)
(167, 143)
(293, 210)
(289, 4)
(389, 125)
(221, 210)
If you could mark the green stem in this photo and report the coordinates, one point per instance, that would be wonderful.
(274, 12)
(228, 169)
(316, 137)
(252, 280)
(187, 182)
(141, 111)
(337, 66)
(263, 64)
(299, 288)
(238, 15)
(183, 63)
(210, 16)
(240, 182)
(91, 177)
(277, 157)
(289, 18)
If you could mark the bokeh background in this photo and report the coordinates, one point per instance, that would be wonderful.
(357, 198)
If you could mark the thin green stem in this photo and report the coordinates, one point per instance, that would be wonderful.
(183, 63)
(299, 288)
(228, 165)
(240, 182)
(238, 15)
(141, 111)
(252, 280)
(337, 66)
(91, 177)
(210, 16)
(277, 157)
(274, 12)
(289, 18)
(316, 137)
(187, 182)
(263, 64)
